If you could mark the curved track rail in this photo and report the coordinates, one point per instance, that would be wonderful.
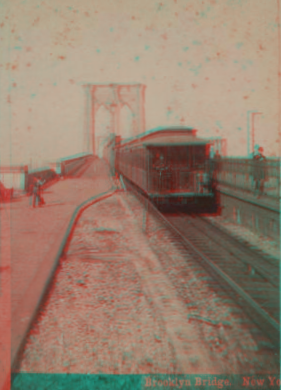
(249, 277)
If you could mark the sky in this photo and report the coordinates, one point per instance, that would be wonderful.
(205, 64)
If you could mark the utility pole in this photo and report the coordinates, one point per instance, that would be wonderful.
(251, 137)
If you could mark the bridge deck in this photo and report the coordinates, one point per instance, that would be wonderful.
(37, 236)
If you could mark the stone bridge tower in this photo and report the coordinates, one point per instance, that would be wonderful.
(113, 97)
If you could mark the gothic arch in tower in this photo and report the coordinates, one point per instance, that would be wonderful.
(113, 97)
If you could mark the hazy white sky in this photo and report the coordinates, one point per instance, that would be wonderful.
(204, 64)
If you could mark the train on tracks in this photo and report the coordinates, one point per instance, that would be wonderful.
(169, 165)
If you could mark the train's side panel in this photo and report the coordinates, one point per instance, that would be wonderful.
(109, 155)
(145, 173)
(139, 168)
(112, 160)
(131, 163)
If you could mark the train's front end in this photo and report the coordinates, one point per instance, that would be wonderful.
(180, 172)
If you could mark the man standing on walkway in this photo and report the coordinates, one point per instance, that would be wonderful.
(215, 170)
(30, 191)
(37, 194)
(259, 171)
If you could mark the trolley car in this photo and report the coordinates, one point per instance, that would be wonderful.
(169, 165)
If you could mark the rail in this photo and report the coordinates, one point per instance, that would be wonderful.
(47, 175)
(13, 177)
(71, 166)
(63, 167)
(228, 263)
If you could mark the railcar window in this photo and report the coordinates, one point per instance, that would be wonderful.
(138, 159)
(141, 158)
(158, 157)
(199, 156)
(178, 156)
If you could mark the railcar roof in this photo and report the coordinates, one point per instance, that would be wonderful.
(175, 140)
(165, 136)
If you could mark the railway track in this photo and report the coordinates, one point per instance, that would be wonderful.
(248, 276)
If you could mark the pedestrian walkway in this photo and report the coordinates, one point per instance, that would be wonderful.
(36, 238)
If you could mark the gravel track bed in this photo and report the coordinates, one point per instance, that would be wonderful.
(259, 242)
(236, 344)
(102, 314)
(96, 317)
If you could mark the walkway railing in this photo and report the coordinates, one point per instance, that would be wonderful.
(20, 178)
(241, 173)
(13, 176)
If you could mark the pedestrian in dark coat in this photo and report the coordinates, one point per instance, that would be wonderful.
(259, 171)
(37, 193)
(30, 190)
